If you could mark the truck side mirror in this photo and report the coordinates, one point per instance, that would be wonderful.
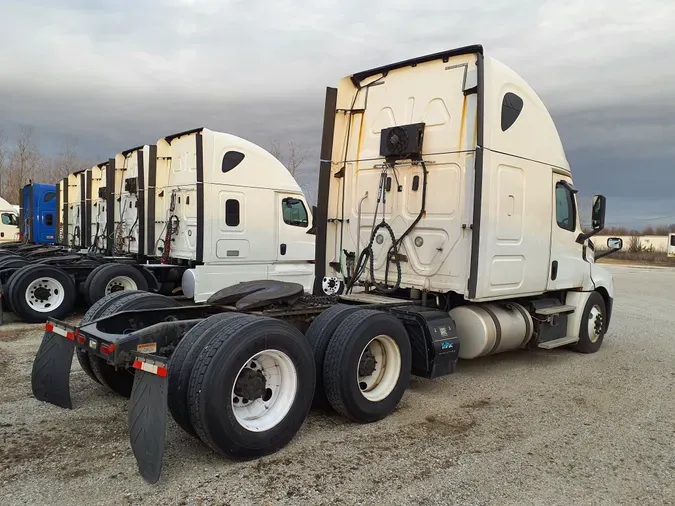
(615, 243)
(597, 218)
(598, 215)
(312, 230)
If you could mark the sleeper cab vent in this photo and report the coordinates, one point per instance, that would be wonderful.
(131, 185)
(402, 142)
(231, 159)
(101, 192)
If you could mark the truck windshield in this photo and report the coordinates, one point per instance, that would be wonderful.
(10, 219)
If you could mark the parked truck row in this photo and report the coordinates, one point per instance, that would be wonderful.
(447, 228)
(196, 211)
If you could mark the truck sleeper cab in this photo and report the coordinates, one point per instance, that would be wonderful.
(446, 228)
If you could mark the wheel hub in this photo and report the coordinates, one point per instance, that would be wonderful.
(597, 324)
(41, 293)
(367, 364)
(250, 385)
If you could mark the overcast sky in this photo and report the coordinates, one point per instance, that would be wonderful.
(118, 74)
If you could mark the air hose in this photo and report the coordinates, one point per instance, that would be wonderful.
(392, 253)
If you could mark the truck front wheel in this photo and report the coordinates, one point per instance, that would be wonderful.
(367, 365)
(593, 325)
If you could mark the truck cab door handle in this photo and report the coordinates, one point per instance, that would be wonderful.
(554, 270)
(283, 249)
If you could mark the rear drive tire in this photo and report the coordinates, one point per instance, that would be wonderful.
(367, 366)
(319, 334)
(593, 325)
(6, 263)
(92, 314)
(115, 277)
(265, 359)
(183, 359)
(121, 380)
(5, 275)
(38, 292)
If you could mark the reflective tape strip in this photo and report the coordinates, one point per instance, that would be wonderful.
(60, 331)
(159, 370)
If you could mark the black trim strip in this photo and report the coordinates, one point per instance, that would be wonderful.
(152, 192)
(22, 216)
(321, 218)
(478, 178)
(64, 205)
(110, 206)
(90, 208)
(31, 220)
(57, 228)
(83, 210)
(443, 55)
(200, 198)
(169, 138)
(140, 204)
(127, 151)
(498, 328)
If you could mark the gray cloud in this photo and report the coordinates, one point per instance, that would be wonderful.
(122, 74)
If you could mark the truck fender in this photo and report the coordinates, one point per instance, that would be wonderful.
(153, 284)
(578, 300)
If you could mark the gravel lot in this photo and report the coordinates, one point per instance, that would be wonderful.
(520, 428)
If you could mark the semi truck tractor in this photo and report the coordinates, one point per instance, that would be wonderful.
(446, 230)
(174, 217)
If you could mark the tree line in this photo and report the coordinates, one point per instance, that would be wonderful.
(22, 161)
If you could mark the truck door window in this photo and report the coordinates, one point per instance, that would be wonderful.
(672, 240)
(49, 196)
(49, 220)
(294, 212)
(564, 208)
(9, 219)
(232, 212)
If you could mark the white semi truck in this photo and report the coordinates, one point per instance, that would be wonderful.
(196, 211)
(447, 229)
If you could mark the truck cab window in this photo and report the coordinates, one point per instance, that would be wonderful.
(49, 196)
(232, 212)
(564, 208)
(49, 220)
(672, 240)
(294, 212)
(10, 219)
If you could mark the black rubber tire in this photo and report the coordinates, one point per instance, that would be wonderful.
(24, 277)
(84, 288)
(92, 314)
(319, 334)
(6, 263)
(106, 273)
(4, 254)
(183, 359)
(121, 380)
(214, 373)
(342, 362)
(585, 345)
(5, 275)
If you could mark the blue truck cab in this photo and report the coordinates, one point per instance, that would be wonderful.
(37, 213)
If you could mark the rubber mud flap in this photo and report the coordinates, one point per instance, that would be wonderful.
(50, 378)
(147, 423)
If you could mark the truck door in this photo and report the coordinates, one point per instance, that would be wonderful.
(294, 244)
(45, 222)
(567, 265)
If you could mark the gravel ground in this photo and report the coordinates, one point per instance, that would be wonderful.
(553, 428)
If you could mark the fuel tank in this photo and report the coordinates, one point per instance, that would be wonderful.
(486, 329)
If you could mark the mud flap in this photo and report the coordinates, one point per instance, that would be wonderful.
(147, 422)
(50, 378)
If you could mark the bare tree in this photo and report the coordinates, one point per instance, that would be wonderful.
(295, 157)
(23, 163)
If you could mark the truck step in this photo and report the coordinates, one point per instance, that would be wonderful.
(551, 310)
(556, 343)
